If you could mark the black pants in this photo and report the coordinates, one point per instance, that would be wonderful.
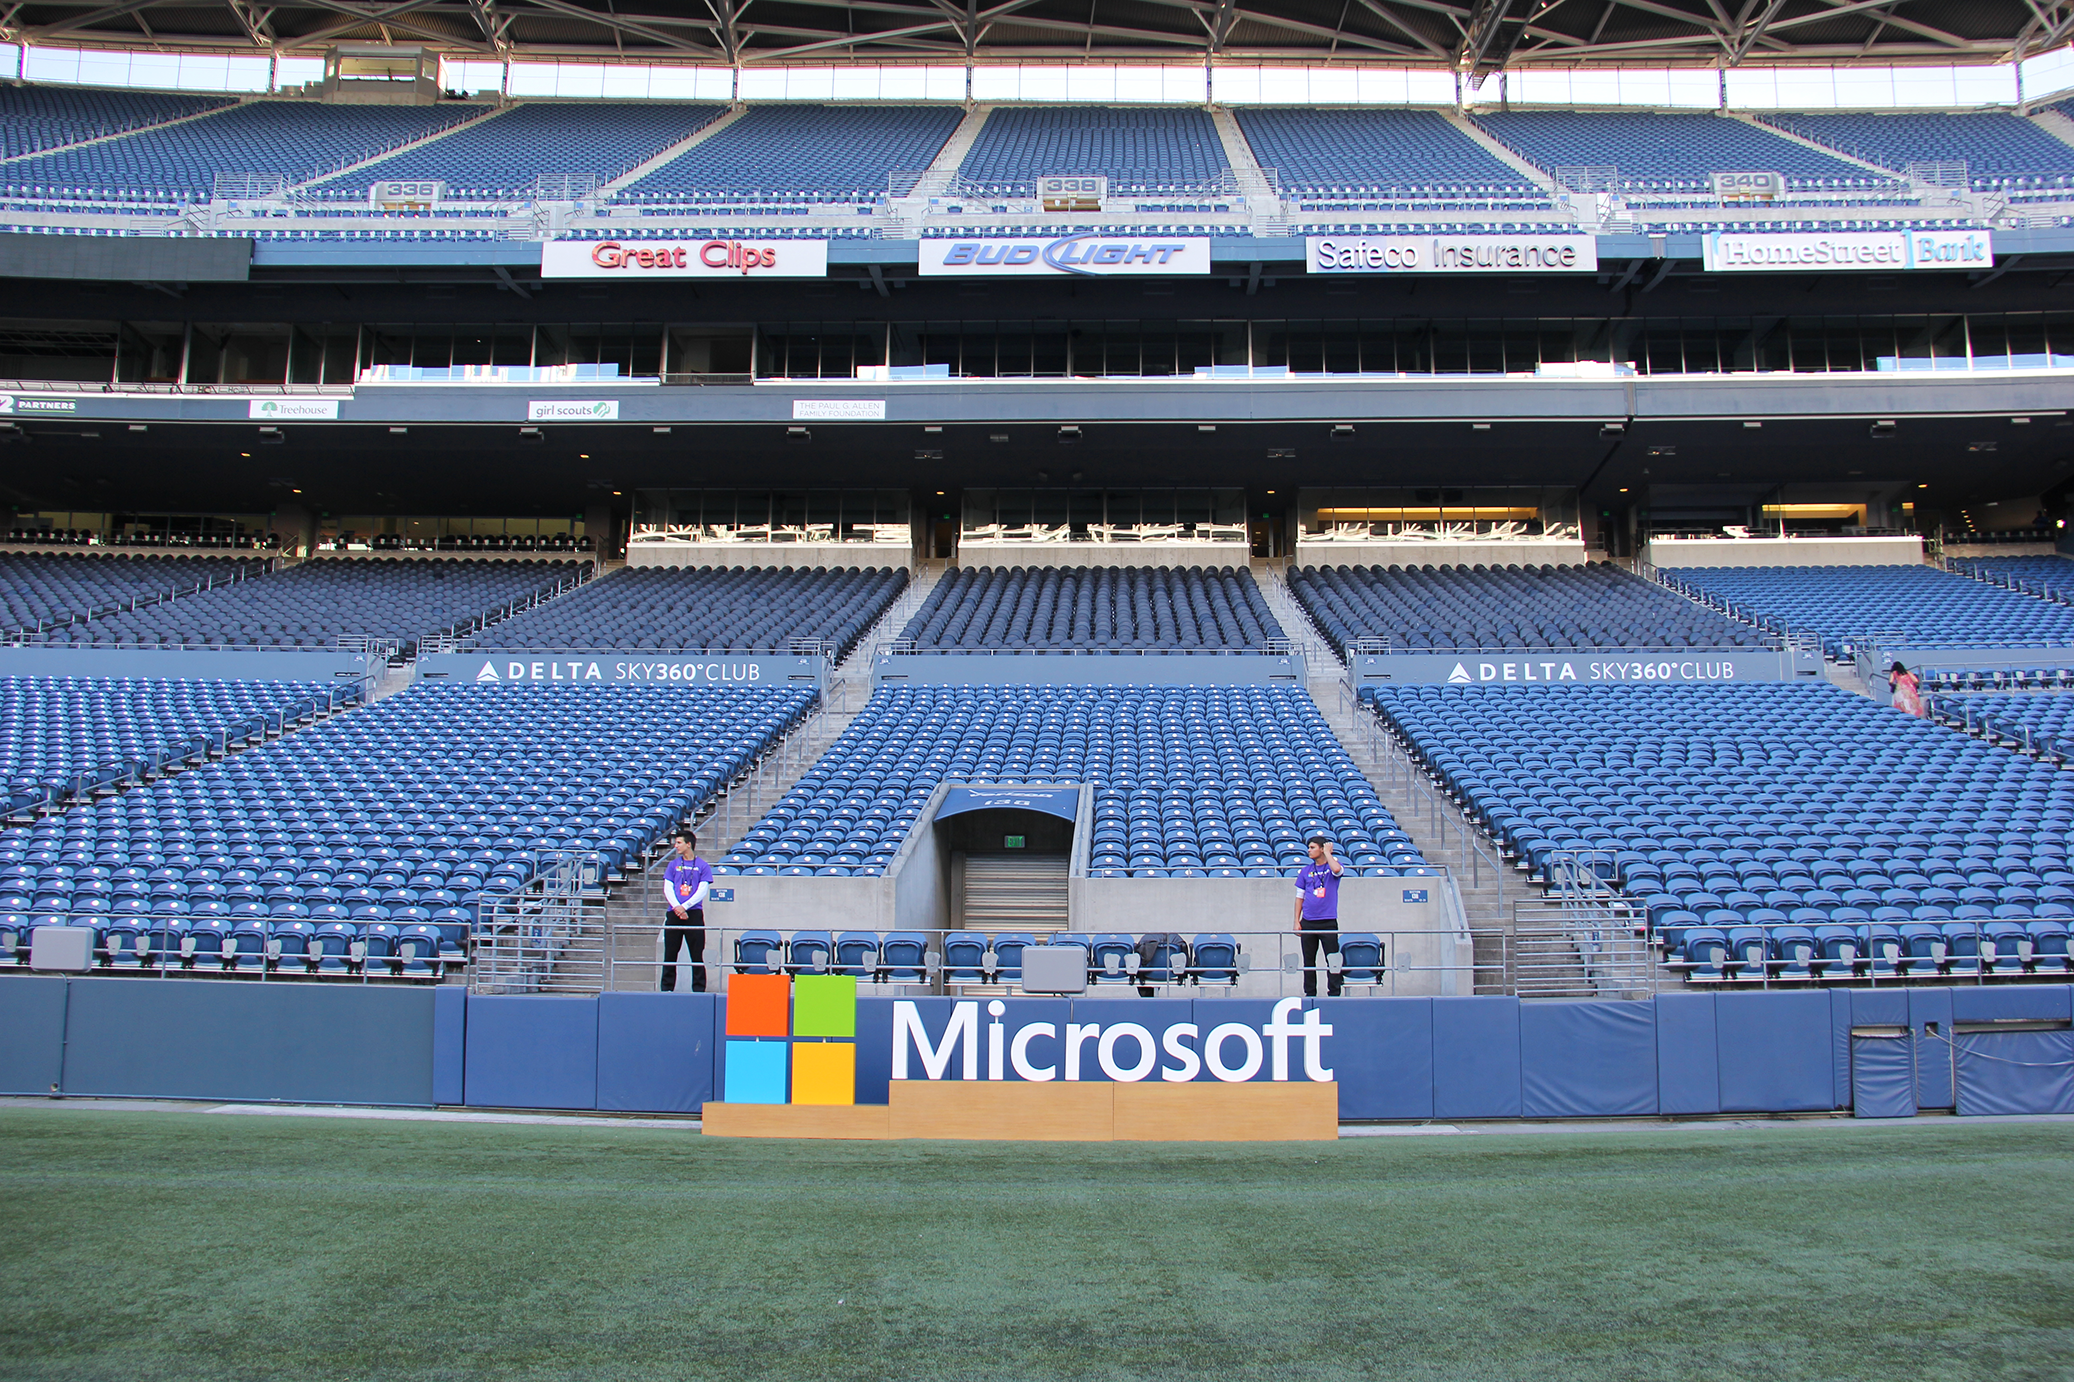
(691, 934)
(1320, 935)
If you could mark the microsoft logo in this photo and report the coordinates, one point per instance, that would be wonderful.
(791, 1040)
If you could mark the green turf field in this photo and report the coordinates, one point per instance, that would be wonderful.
(193, 1246)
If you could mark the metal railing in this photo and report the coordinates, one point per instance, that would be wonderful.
(535, 938)
(943, 961)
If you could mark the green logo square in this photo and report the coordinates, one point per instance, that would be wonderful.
(824, 1005)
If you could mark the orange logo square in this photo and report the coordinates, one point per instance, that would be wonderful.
(759, 1005)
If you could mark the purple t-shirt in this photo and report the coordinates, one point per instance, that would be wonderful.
(1319, 886)
(681, 878)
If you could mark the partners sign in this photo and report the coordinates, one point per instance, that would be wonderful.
(653, 259)
(1911, 249)
(1455, 254)
(1091, 255)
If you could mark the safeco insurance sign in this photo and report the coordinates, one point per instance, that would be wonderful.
(1913, 249)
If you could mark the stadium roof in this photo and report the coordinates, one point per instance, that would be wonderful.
(1473, 36)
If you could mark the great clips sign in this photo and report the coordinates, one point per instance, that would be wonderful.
(1091, 255)
(684, 259)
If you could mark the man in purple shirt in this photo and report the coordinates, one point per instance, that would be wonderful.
(686, 881)
(1317, 915)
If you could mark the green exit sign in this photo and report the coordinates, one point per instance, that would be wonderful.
(1011, 842)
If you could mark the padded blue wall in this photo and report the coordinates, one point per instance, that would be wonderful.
(1583, 1060)
(239, 1040)
(1394, 1058)
(532, 1050)
(32, 1034)
(1476, 1060)
(656, 1051)
(1774, 1052)
(1688, 1062)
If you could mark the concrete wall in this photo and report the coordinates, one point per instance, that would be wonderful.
(1429, 950)
(1104, 554)
(788, 554)
(1087, 669)
(1788, 551)
(198, 664)
(1538, 552)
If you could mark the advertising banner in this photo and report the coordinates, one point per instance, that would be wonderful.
(686, 258)
(1091, 254)
(293, 409)
(838, 410)
(1596, 667)
(13, 405)
(495, 668)
(572, 410)
(1451, 254)
(1726, 252)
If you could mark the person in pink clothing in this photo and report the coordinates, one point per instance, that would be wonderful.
(1908, 690)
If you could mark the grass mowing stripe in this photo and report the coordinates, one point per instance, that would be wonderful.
(193, 1246)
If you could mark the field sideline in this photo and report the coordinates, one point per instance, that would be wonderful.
(145, 1245)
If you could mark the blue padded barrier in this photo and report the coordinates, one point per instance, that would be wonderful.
(2015, 1072)
(1587, 1060)
(449, 1044)
(32, 1034)
(1933, 1057)
(2042, 1003)
(656, 1051)
(289, 1043)
(1879, 1007)
(1394, 1038)
(1774, 1052)
(532, 1051)
(1476, 1057)
(1688, 1064)
(1883, 1077)
(1840, 1047)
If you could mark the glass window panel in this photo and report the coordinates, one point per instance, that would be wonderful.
(1948, 342)
(977, 351)
(1050, 350)
(1306, 347)
(1270, 344)
(646, 350)
(1342, 349)
(1853, 345)
(1663, 348)
(1988, 341)
(1486, 347)
(1912, 337)
(2027, 344)
(474, 345)
(1158, 352)
(1012, 343)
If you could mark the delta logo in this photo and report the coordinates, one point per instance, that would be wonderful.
(791, 1039)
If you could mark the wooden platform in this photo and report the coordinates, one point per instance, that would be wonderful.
(1083, 1111)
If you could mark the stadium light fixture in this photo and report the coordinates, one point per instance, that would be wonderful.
(1883, 429)
(139, 427)
(997, 436)
(1752, 426)
(798, 436)
(1479, 426)
(272, 436)
(1342, 431)
(1069, 435)
(1206, 427)
(2018, 421)
(1613, 429)
(532, 436)
(398, 431)
(932, 429)
(1663, 450)
(928, 454)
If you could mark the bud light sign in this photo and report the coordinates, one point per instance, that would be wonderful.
(1090, 255)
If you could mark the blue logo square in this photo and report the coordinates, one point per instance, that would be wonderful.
(1415, 894)
(756, 1072)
